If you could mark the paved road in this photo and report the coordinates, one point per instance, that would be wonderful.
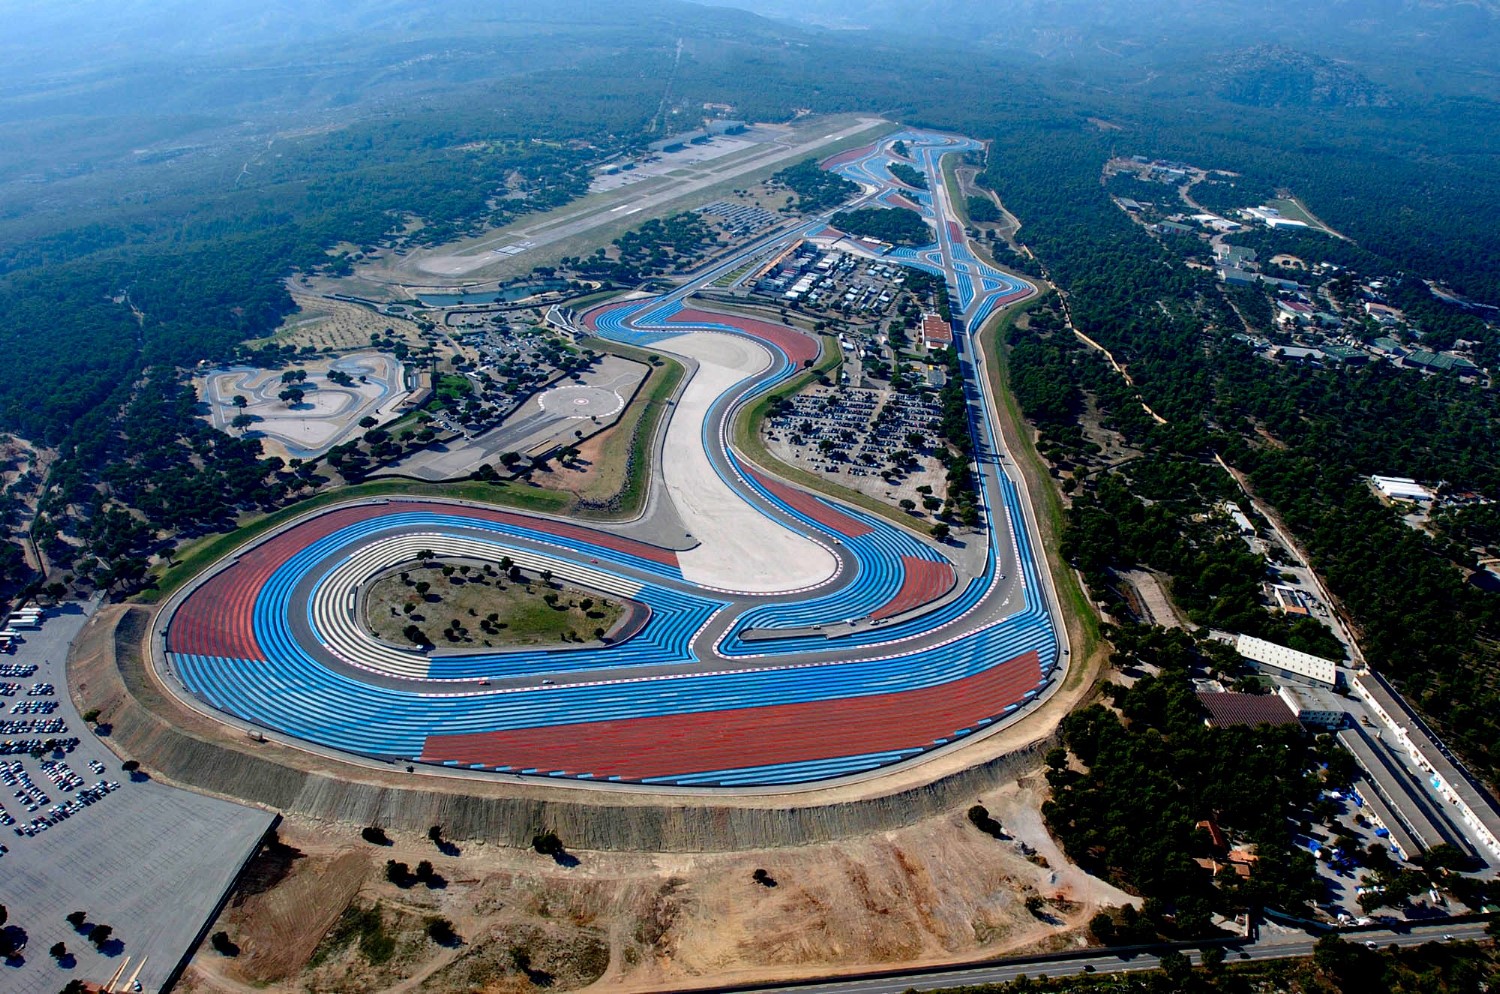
(1276, 946)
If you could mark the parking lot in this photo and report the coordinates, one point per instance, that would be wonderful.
(738, 220)
(880, 441)
(80, 833)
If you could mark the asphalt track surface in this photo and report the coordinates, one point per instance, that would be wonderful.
(891, 657)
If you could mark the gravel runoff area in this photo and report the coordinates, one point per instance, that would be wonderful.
(151, 861)
(741, 548)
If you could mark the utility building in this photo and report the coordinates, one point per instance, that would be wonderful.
(1287, 662)
(936, 333)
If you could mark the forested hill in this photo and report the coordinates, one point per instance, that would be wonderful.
(50, 40)
(1145, 29)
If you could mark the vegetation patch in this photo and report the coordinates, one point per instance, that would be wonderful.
(888, 224)
(909, 175)
(816, 189)
(552, 956)
(372, 947)
(1132, 788)
(466, 606)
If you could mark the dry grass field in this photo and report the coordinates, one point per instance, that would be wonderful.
(339, 326)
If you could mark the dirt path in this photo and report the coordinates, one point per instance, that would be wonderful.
(1154, 596)
(1010, 225)
(1124, 375)
(1340, 617)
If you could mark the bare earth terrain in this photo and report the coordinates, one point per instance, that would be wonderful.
(938, 891)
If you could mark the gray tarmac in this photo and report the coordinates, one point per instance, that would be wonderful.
(151, 861)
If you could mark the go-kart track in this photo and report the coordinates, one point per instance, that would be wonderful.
(791, 639)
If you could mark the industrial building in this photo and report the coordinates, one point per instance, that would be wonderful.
(1402, 488)
(1286, 662)
(1289, 600)
(1229, 709)
(1314, 706)
(1469, 805)
(936, 333)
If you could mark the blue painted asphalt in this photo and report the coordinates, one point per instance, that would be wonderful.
(296, 694)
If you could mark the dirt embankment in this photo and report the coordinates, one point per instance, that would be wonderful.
(321, 914)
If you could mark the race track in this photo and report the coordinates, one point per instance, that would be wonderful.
(797, 639)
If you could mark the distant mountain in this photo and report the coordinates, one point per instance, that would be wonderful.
(244, 57)
(1274, 76)
(54, 36)
(1089, 28)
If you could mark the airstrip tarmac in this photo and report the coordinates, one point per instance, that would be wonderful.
(520, 246)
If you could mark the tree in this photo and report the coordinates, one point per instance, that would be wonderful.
(435, 834)
(397, 873)
(547, 843)
(1178, 968)
(375, 835)
(980, 818)
(1102, 928)
(100, 935)
(77, 918)
(941, 531)
(222, 944)
(58, 950)
(240, 401)
(242, 421)
(424, 870)
(440, 930)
